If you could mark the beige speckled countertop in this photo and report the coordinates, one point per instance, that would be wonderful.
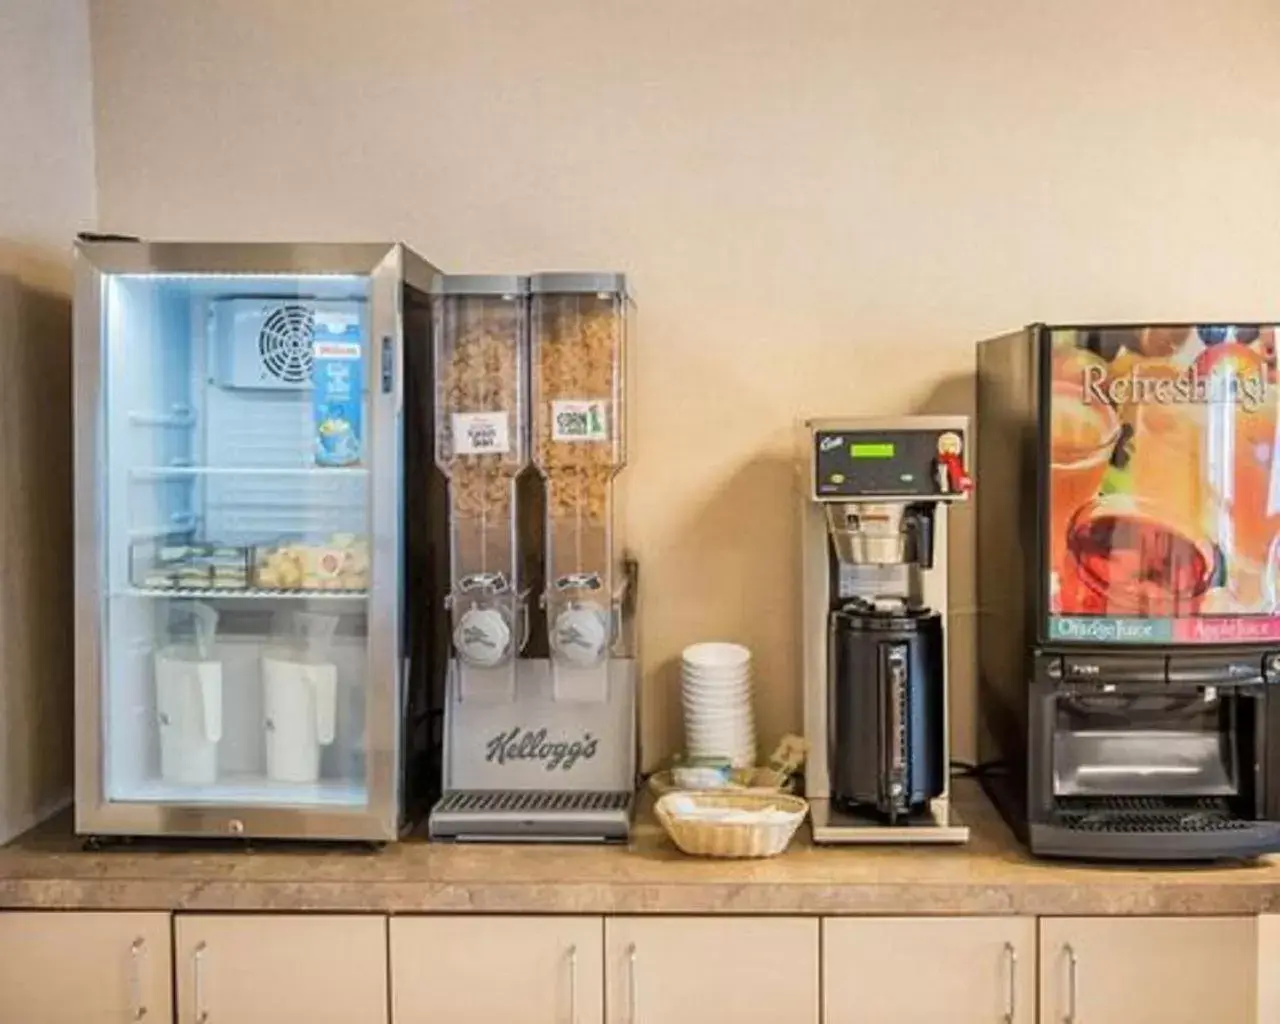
(991, 875)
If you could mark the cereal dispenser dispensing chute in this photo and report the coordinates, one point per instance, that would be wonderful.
(481, 325)
(578, 343)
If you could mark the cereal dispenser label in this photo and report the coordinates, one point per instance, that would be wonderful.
(481, 433)
(580, 420)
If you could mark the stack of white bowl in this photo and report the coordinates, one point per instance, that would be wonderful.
(719, 720)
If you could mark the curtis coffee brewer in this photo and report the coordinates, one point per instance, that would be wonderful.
(874, 532)
(1128, 574)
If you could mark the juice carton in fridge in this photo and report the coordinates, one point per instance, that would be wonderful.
(337, 395)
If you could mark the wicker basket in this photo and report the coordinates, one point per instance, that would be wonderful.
(727, 838)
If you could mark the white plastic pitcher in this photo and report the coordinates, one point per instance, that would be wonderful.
(189, 707)
(300, 704)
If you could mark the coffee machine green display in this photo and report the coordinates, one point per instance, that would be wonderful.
(875, 502)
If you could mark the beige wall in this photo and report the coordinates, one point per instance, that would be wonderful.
(822, 205)
(46, 195)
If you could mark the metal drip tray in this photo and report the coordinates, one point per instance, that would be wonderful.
(496, 815)
(1136, 763)
(1136, 815)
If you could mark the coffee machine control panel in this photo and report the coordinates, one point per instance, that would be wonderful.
(890, 464)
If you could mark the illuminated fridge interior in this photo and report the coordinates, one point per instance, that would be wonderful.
(235, 525)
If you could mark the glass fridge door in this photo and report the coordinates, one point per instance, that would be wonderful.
(235, 430)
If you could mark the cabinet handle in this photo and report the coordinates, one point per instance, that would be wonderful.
(573, 985)
(197, 969)
(633, 985)
(1073, 967)
(137, 949)
(1011, 983)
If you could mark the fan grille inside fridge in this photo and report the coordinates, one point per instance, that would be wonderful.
(285, 343)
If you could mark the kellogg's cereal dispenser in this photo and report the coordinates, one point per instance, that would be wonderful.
(548, 752)
(481, 339)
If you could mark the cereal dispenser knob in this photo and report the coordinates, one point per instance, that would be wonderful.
(581, 635)
(482, 637)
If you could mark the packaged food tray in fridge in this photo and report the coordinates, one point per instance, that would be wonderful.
(339, 562)
(180, 563)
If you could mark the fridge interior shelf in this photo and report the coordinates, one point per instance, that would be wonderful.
(246, 790)
(339, 564)
(177, 472)
(177, 416)
(257, 593)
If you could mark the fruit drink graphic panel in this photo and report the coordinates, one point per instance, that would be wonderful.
(1163, 512)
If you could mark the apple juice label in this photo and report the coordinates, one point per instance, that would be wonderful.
(580, 420)
(337, 394)
(481, 433)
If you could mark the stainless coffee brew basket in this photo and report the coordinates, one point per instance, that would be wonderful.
(878, 534)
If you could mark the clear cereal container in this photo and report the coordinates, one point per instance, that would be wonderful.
(481, 352)
(579, 336)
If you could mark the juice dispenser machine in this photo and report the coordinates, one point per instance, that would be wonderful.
(874, 560)
(540, 729)
(1129, 588)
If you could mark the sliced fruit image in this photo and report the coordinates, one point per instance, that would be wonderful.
(1070, 364)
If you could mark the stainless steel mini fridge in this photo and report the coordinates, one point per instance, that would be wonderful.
(242, 647)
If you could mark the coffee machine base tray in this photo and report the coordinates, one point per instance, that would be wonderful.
(938, 825)
(530, 816)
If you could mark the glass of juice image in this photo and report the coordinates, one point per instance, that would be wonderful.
(1239, 451)
(1147, 370)
(1172, 464)
(1127, 557)
(1082, 436)
(1253, 503)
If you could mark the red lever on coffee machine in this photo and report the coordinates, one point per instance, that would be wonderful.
(952, 478)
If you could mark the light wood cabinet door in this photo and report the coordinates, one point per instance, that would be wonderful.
(84, 968)
(690, 970)
(476, 970)
(1133, 970)
(281, 969)
(902, 970)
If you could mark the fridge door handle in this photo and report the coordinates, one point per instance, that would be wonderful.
(388, 365)
(324, 692)
(209, 679)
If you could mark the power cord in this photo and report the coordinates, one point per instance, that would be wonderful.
(969, 770)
